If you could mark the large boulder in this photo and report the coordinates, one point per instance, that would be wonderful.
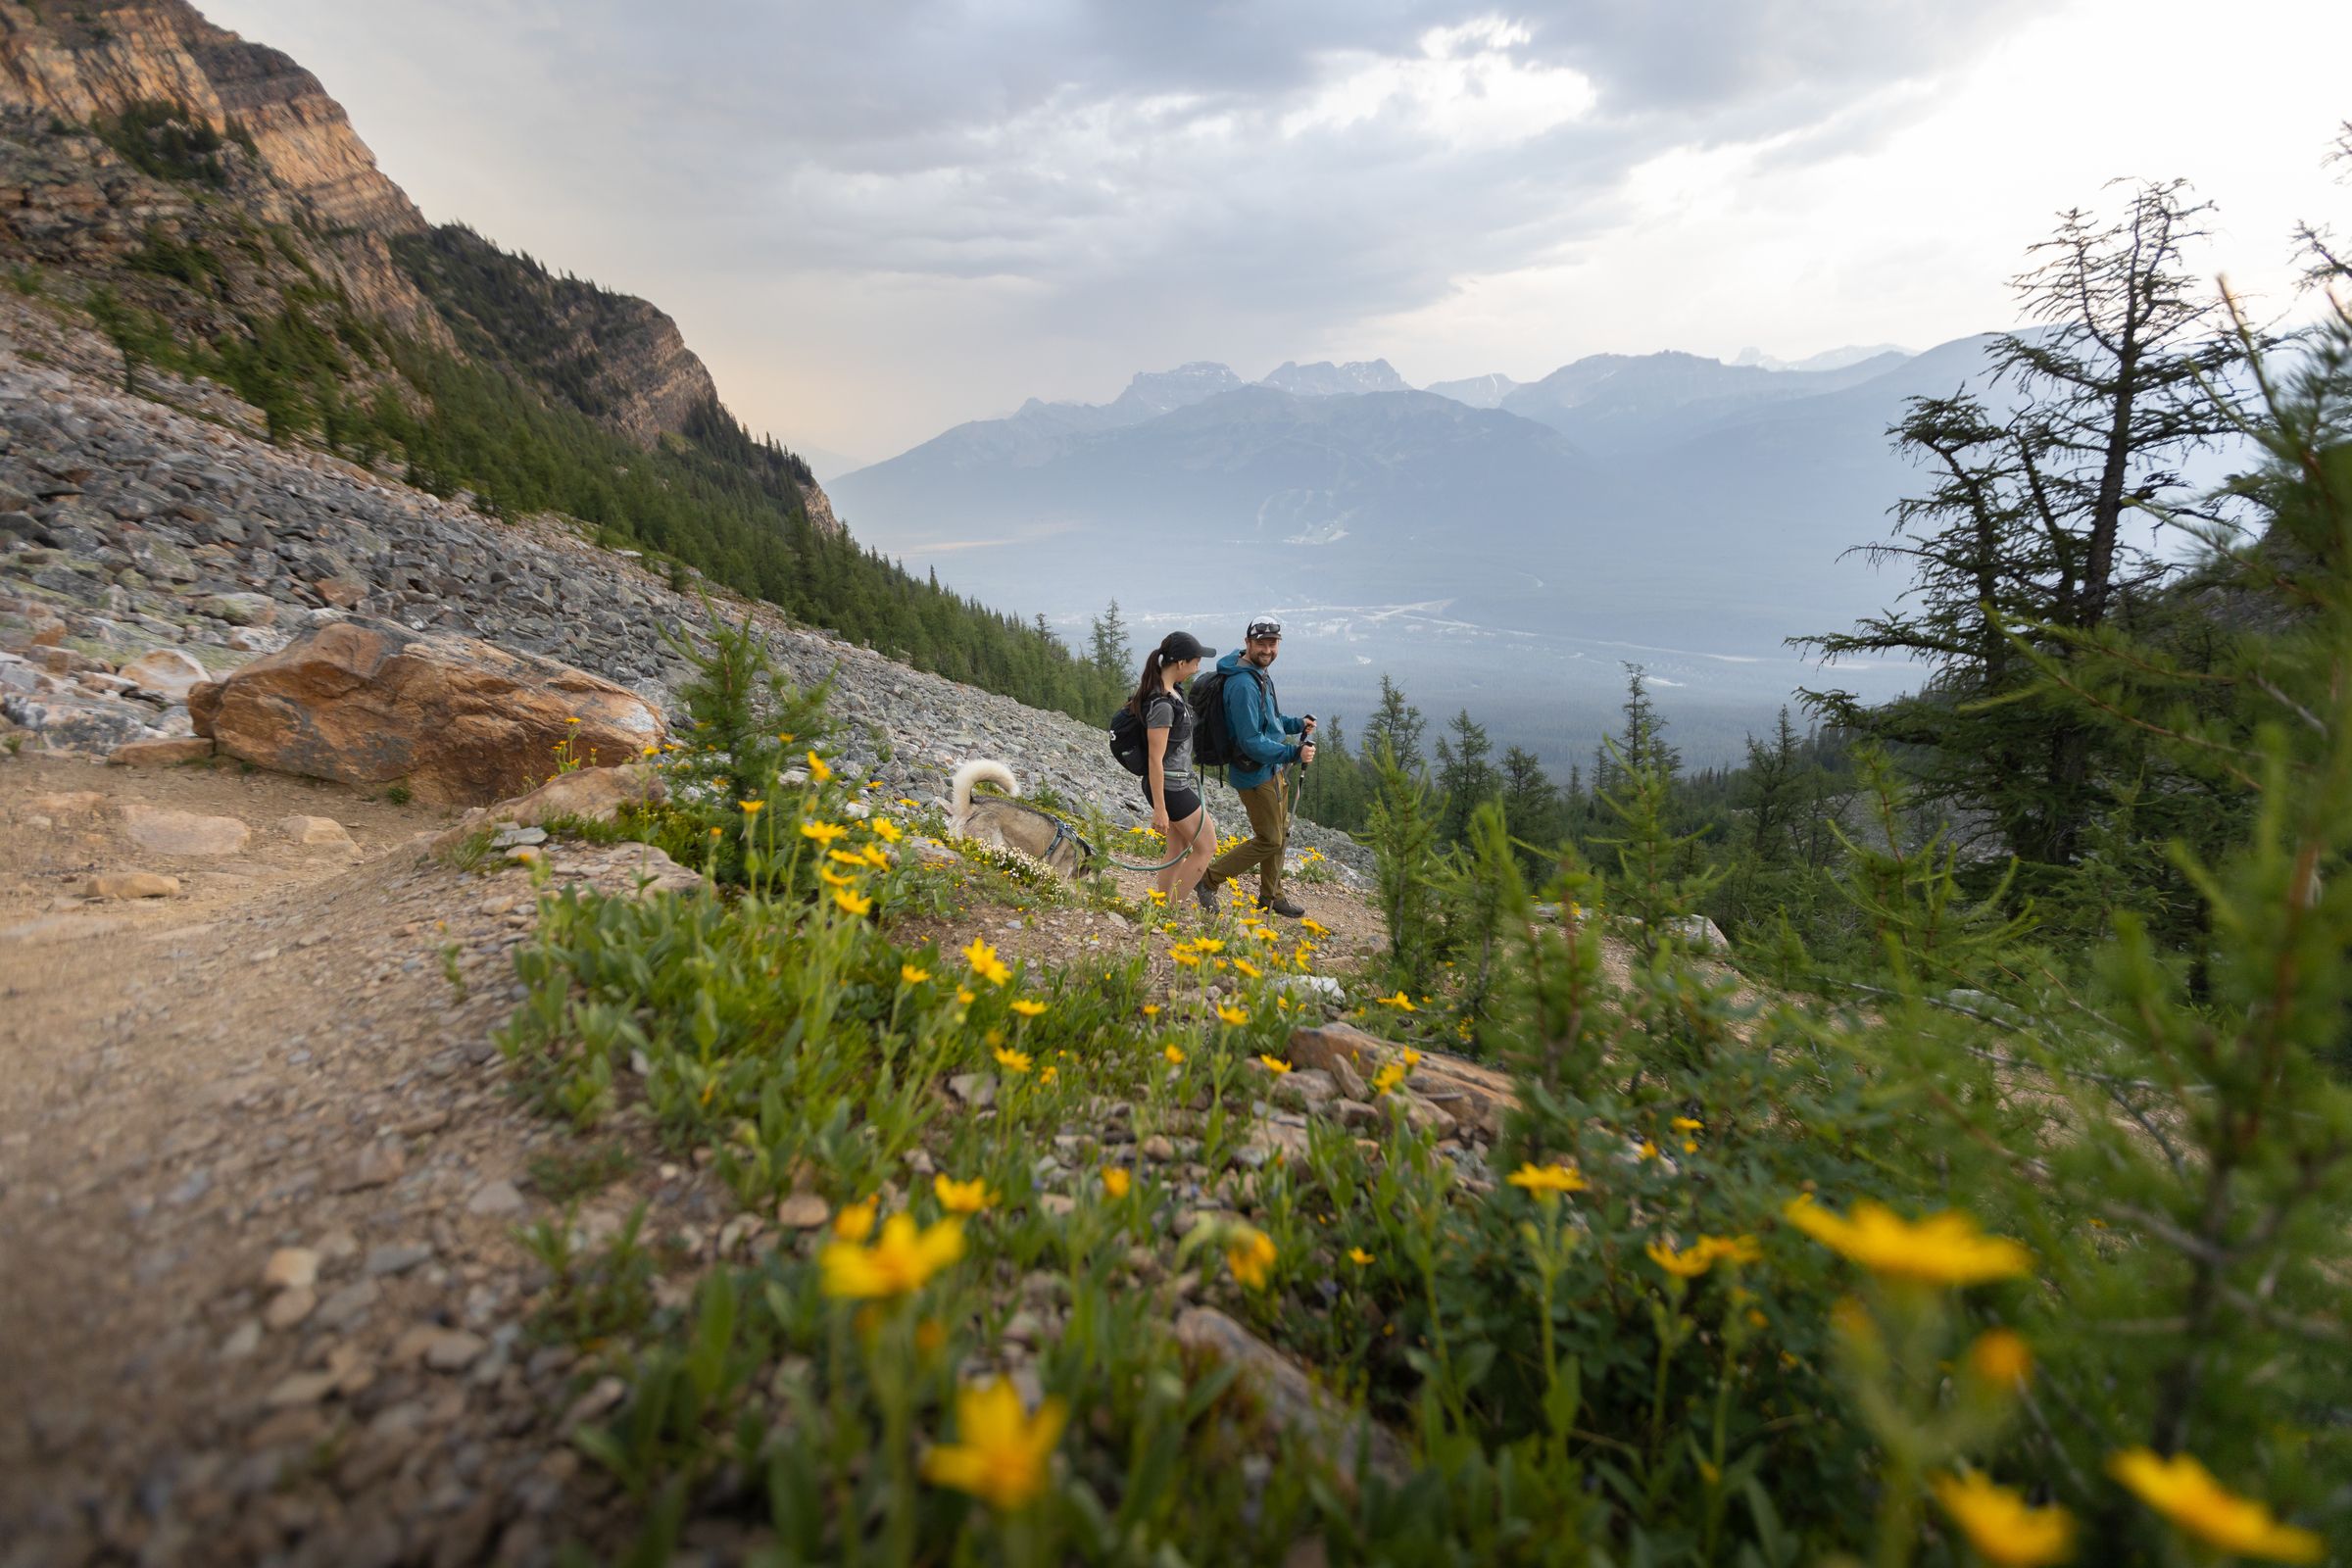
(459, 721)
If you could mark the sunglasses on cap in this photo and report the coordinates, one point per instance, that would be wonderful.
(1268, 628)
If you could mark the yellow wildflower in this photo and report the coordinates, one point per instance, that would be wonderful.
(2001, 1526)
(1026, 1007)
(1151, 1009)
(833, 878)
(2001, 1358)
(1012, 1060)
(1174, 1056)
(844, 857)
(818, 769)
(1249, 969)
(886, 830)
(821, 832)
(1388, 1078)
(2186, 1494)
(1046, 1075)
(900, 1261)
(1207, 945)
(1684, 1124)
(855, 1221)
(985, 962)
(1731, 1249)
(876, 856)
(1682, 1266)
(1000, 1454)
(1648, 1150)
(751, 807)
(1412, 1059)
(1185, 956)
(1117, 1181)
(1399, 1001)
(1944, 1249)
(1319, 929)
(1237, 1016)
(572, 719)
(1359, 1256)
(1273, 1064)
(1250, 1256)
(1157, 897)
(913, 976)
(963, 1198)
(851, 903)
(1548, 1180)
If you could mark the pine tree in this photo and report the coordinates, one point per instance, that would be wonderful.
(2019, 549)
(1395, 725)
(1108, 643)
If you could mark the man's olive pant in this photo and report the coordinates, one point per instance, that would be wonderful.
(1270, 832)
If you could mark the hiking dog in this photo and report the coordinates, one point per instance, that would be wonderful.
(1012, 824)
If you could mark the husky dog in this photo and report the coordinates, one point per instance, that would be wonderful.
(1009, 825)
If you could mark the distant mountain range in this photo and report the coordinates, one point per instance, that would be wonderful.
(1489, 542)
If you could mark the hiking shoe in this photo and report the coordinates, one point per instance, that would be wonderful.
(1209, 899)
(1288, 907)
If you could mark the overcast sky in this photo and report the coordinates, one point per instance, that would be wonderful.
(879, 217)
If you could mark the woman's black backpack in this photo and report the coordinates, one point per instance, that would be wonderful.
(1127, 741)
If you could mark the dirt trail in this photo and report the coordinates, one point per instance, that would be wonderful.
(271, 1059)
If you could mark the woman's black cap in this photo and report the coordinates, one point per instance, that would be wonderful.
(1179, 646)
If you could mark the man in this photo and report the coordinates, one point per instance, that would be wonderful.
(1261, 737)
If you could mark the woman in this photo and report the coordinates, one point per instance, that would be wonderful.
(1169, 782)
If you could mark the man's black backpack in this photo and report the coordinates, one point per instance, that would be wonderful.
(1127, 741)
(1212, 737)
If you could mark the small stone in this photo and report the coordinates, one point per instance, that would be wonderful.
(289, 1306)
(1059, 1204)
(454, 1349)
(1156, 1148)
(166, 672)
(191, 1187)
(291, 1268)
(184, 832)
(396, 1258)
(803, 1211)
(975, 1088)
(130, 885)
(348, 1304)
(380, 1163)
(242, 1342)
(167, 753)
(316, 832)
(303, 1388)
(494, 1198)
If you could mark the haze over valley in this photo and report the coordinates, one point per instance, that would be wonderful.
(1486, 543)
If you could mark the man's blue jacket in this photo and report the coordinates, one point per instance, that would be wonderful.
(1258, 731)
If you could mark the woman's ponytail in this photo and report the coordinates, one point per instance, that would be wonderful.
(1152, 665)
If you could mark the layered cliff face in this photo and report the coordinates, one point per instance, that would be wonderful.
(101, 61)
(123, 121)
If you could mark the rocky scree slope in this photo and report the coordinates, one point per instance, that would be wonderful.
(126, 526)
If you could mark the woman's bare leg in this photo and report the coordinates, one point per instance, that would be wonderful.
(1201, 848)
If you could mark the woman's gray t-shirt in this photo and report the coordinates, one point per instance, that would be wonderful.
(1171, 712)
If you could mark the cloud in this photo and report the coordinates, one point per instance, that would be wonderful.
(874, 219)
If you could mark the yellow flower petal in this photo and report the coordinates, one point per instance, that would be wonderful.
(2197, 1504)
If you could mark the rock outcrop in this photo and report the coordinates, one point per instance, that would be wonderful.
(457, 720)
(92, 62)
(85, 188)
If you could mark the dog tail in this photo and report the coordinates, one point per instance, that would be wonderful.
(981, 772)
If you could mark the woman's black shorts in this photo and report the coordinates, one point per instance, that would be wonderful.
(1182, 803)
